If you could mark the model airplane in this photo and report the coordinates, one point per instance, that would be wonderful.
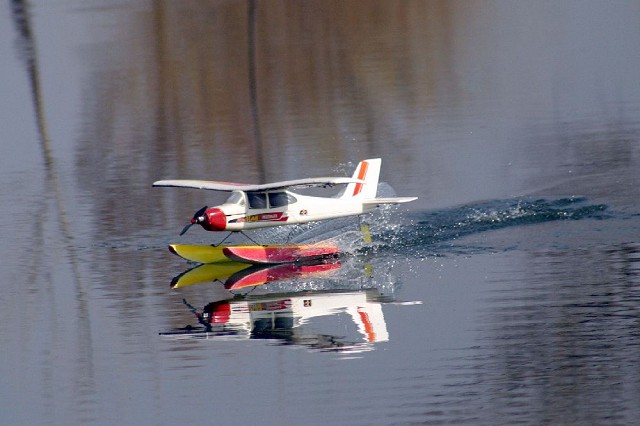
(273, 204)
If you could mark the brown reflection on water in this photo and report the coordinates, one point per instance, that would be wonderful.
(334, 81)
(337, 70)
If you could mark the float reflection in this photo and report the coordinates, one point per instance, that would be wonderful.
(237, 275)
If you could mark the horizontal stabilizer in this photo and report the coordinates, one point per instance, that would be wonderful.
(247, 187)
(389, 200)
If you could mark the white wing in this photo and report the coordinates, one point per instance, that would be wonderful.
(231, 186)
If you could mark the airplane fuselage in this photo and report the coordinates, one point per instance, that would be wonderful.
(245, 211)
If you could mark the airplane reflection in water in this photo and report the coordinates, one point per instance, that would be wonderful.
(290, 308)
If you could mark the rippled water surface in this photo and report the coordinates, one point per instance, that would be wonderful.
(507, 293)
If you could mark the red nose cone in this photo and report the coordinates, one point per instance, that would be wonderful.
(215, 220)
(219, 312)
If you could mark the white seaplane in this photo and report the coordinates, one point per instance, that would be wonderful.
(274, 204)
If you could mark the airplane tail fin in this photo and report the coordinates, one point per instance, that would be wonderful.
(369, 172)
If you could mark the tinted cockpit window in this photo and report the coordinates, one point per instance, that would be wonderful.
(257, 200)
(280, 199)
(235, 198)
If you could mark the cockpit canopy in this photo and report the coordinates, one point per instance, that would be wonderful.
(236, 197)
(261, 200)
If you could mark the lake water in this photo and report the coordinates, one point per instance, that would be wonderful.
(509, 292)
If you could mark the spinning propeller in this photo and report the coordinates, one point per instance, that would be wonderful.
(198, 218)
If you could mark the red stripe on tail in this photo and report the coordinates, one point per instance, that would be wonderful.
(361, 175)
(368, 327)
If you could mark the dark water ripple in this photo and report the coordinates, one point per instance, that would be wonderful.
(436, 231)
(565, 334)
